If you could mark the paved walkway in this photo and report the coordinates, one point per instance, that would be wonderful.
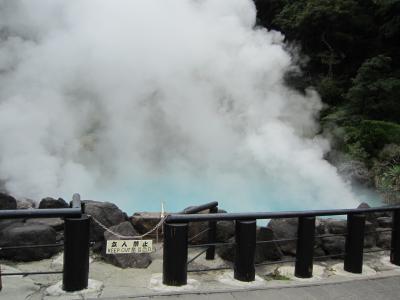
(365, 289)
(380, 280)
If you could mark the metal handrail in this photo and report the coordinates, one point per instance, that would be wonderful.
(183, 218)
(41, 213)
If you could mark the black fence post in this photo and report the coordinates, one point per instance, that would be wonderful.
(175, 254)
(212, 235)
(353, 259)
(305, 247)
(245, 236)
(395, 243)
(76, 253)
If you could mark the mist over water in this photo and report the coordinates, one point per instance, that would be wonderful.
(138, 102)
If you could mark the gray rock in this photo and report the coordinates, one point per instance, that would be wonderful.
(198, 233)
(107, 213)
(264, 251)
(384, 238)
(320, 226)
(370, 217)
(225, 230)
(143, 222)
(25, 203)
(132, 260)
(285, 229)
(267, 251)
(227, 252)
(7, 202)
(318, 251)
(27, 234)
(53, 203)
(384, 222)
(10, 222)
(370, 235)
(333, 245)
(56, 223)
(335, 226)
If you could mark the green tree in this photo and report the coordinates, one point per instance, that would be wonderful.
(375, 93)
(330, 31)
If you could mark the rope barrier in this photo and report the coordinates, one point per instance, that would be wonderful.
(121, 236)
(197, 235)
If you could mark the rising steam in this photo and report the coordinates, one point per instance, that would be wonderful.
(147, 100)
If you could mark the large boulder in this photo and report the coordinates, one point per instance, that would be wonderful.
(225, 230)
(383, 238)
(53, 203)
(264, 251)
(285, 229)
(384, 222)
(143, 222)
(106, 213)
(198, 233)
(335, 226)
(370, 235)
(7, 202)
(334, 245)
(10, 222)
(131, 260)
(227, 252)
(56, 223)
(25, 203)
(27, 234)
(371, 217)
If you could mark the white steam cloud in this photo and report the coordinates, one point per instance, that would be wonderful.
(147, 100)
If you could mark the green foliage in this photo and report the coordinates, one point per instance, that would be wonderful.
(387, 173)
(369, 137)
(390, 179)
(328, 30)
(353, 53)
(390, 154)
(375, 92)
(275, 275)
(330, 90)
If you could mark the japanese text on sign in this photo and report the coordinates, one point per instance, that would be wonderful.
(129, 246)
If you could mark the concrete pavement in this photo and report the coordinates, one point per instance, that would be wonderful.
(380, 280)
(385, 288)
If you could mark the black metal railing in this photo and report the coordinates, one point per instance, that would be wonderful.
(76, 243)
(176, 241)
(177, 231)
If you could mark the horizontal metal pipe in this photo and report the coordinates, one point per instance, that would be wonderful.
(209, 269)
(275, 262)
(31, 273)
(376, 250)
(196, 209)
(211, 244)
(184, 218)
(41, 213)
(32, 246)
(329, 256)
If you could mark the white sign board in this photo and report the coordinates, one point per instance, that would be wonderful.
(129, 246)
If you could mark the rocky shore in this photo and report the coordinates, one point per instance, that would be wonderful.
(330, 233)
